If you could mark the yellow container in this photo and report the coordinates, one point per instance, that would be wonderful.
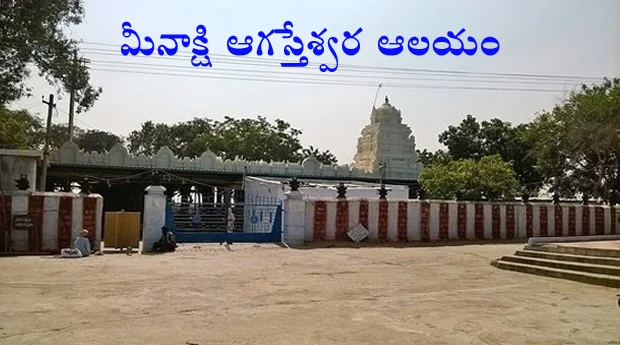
(122, 229)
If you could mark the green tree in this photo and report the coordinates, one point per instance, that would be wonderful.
(464, 141)
(150, 138)
(18, 129)
(473, 140)
(489, 178)
(92, 140)
(249, 139)
(324, 157)
(254, 140)
(188, 134)
(577, 144)
(59, 134)
(21, 130)
(428, 157)
(32, 33)
(95, 140)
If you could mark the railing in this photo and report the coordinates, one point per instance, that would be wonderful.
(203, 217)
(212, 217)
(206, 222)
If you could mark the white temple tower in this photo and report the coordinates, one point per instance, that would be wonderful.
(386, 140)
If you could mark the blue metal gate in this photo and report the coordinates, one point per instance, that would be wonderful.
(207, 222)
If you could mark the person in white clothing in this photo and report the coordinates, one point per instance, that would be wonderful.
(81, 247)
(82, 243)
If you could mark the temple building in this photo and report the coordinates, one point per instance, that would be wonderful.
(387, 142)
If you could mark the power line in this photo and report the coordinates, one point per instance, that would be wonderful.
(319, 82)
(78, 120)
(239, 61)
(102, 48)
(333, 79)
(187, 180)
(383, 68)
(150, 171)
(254, 72)
(85, 124)
(104, 179)
(27, 107)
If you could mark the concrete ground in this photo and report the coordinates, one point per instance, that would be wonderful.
(251, 294)
(613, 245)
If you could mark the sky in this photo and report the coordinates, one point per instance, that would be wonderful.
(574, 38)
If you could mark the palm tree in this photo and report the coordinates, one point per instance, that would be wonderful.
(325, 157)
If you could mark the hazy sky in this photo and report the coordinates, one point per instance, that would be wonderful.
(551, 37)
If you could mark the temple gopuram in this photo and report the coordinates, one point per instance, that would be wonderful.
(387, 145)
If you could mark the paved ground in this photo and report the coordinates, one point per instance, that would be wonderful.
(272, 295)
(615, 245)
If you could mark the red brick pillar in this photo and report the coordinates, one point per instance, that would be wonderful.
(383, 220)
(402, 221)
(425, 208)
(462, 221)
(320, 220)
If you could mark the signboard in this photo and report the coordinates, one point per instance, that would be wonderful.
(358, 233)
(22, 222)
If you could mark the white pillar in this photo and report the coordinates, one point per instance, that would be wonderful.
(294, 218)
(154, 216)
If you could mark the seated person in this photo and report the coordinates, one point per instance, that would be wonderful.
(82, 243)
(166, 243)
(81, 247)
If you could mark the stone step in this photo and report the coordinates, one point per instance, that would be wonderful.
(583, 277)
(565, 265)
(596, 260)
(574, 250)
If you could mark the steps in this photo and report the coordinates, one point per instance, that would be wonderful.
(575, 250)
(597, 266)
(596, 260)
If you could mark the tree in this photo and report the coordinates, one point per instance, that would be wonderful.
(489, 178)
(59, 134)
(188, 136)
(254, 140)
(32, 33)
(464, 141)
(150, 138)
(96, 141)
(577, 144)
(92, 140)
(21, 130)
(18, 129)
(427, 157)
(325, 157)
(249, 139)
(473, 140)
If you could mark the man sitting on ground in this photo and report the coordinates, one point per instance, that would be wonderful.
(166, 243)
(82, 243)
(81, 247)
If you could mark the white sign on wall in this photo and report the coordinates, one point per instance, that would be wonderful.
(358, 233)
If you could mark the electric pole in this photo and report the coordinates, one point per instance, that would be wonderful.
(72, 94)
(46, 146)
(72, 86)
(616, 190)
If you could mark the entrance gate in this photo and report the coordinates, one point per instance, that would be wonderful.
(206, 222)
